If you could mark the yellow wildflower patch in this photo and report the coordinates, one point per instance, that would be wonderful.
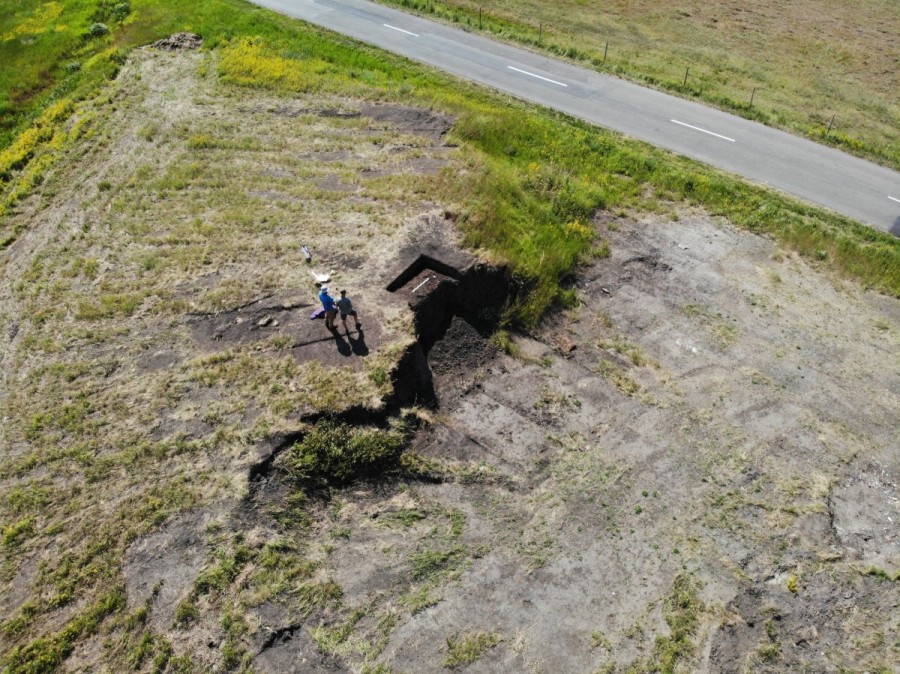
(37, 24)
(250, 63)
(578, 230)
(17, 155)
(56, 112)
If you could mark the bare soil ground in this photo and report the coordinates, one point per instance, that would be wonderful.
(714, 406)
(697, 466)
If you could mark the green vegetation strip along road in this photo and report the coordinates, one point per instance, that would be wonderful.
(542, 178)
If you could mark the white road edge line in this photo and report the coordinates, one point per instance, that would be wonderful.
(387, 25)
(697, 128)
(546, 79)
(892, 199)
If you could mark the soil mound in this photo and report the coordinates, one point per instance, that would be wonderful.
(179, 42)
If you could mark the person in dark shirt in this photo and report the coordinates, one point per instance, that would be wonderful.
(346, 308)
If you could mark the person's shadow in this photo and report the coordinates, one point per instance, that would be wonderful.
(342, 346)
(358, 345)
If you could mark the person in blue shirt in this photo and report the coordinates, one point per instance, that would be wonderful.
(328, 305)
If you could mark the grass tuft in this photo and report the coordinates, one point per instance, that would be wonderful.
(464, 649)
(337, 453)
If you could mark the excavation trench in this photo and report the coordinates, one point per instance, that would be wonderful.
(440, 296)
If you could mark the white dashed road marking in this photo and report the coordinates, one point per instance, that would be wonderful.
(697, 128)
(387, 25)
(546, 79)
(892, 199)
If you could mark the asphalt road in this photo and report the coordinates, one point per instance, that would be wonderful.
(818, 174)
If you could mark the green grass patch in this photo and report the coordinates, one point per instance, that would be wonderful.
(681, 610)
(402, 518)
(311, 595)
(618, 377)
(429, 564)
(14, 534)
(464, 649)
(109, 306)
(47, 653)
(335, 453)
(882, 575)
(186, 612)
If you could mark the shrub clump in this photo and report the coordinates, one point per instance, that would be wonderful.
(335, 453)
(98, 29)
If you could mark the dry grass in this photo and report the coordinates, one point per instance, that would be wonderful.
(103, 445)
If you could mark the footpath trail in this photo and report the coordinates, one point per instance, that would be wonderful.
(818, 174)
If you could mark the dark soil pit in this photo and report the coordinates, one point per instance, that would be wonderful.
(422, 285)
(411, 120)
(287, 316)
(461, 352)
(295, 652)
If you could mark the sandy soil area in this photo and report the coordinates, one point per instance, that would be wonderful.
(714, 406)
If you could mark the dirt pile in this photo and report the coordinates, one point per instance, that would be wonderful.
(179, 42)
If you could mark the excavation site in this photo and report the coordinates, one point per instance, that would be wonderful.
(688, 464)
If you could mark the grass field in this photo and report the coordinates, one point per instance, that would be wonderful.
(98, 291)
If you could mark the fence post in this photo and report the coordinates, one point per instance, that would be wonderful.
(830, 124)
(540, 32)
(686, 71)
(605, 51)
(479, 18)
